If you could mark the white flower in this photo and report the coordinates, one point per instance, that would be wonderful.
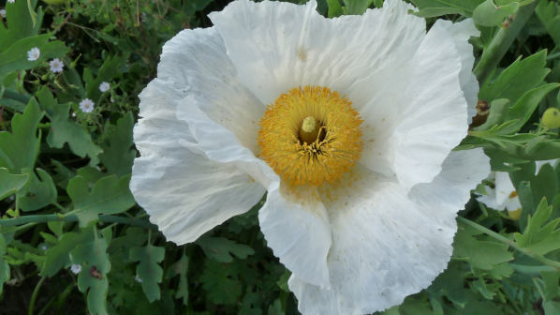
(75, 268)
(33, 54)
(104, 87)
(44, 247)
(11, 1)
(86, 105)
(137, 278)
(354, 148)
(502, 195)
(56, 65)
(3, 13)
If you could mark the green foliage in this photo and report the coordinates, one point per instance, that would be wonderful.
(110, 195)
(72, 169)
(148, 269)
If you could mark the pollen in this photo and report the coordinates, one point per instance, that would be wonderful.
(310, 135)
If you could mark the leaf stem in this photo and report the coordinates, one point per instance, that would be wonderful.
(509, 242)
(73, 218)
(34, 295)
(501, 42)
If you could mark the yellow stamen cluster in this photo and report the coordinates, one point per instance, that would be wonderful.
(310, 135)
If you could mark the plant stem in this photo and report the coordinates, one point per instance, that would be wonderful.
(501, 42)
(509, 242)
(34, 296)
(73, 218)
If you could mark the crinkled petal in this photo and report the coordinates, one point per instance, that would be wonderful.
(184, 192)
(461, 32)
(413, 126)
(387, 243)
(296, 226)
(195, 62)
(303, 249)
(276, 46)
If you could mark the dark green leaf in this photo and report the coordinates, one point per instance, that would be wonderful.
(220, 249)
(148, 270)
(117, 154)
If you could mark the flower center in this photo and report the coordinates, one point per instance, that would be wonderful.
(310, 135)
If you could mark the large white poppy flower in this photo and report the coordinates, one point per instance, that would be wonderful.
(354, 148)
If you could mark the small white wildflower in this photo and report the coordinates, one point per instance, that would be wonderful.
(11, 1)
(56, 65)
(43, 247)
(86, 105)
(104, 87)
(33, 54)
(76, 269)
(3, 13)
(137, 278)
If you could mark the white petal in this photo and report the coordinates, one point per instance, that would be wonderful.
(184, 192)
(411, 126)
(195, 62)
(296, 227)
(461, 32)
(276, 46)
(504, 188)
(387, 244)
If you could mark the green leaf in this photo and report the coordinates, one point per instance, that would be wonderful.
(181, 268)
(57, 256)
(39, 191)
(64, 130)
(110, 69)
(93, 258)
(117, 154)
(538, 237)
(490, 14)
(335, 9)
(548, 13)
(497, 115)
(220, 249)
(15, 57)
(356, 7)
(20, 148)
(442, 7)
(525, 106)
(11, 183)
(480, 254)
(18, 24)
(519, 78)
(148, 270)
(4, 266)
(220, 281)
(110, 195)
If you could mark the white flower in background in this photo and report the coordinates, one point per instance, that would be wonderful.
(138, 279)
(87, 105)
(75, 268)
(104, 87)
(502, 195)
(11, 1)
(3, 13)
(347, 123)
(44, 247)
(33, 54)
(56, 65)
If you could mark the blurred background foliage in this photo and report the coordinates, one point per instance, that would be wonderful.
(64, 173)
